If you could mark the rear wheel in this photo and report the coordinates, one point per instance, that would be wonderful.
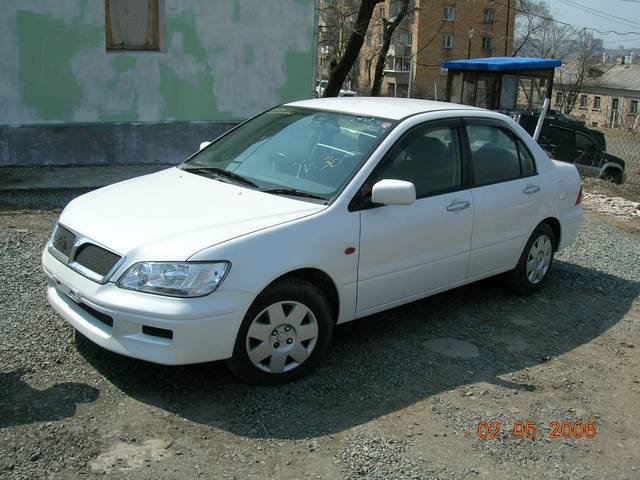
(533, 267)
(612, 176)
(285, 333)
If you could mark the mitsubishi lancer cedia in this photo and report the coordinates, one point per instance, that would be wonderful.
(308, 215)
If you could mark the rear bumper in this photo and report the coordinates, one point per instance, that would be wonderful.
(570, 227)
(192, 330)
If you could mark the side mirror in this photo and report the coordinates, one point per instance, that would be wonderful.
(393, 192)
(204, 145)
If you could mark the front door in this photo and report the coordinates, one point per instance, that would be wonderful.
(506, 196)
(562, 143)
(409, 251)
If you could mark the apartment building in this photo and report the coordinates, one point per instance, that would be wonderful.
(432, 32)
(610, 98)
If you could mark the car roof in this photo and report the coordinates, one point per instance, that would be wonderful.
(384, 107)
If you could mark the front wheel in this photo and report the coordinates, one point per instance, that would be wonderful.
(533, 267)
(285, 333)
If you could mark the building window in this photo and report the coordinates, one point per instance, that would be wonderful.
(447, 40)
(595, 124)
(369, 40)
(367, 66)
(558, 98)
(488, 16)
(380, 39)
(615, 104)
(410, 10)
(633, 107)
(597, 101)
(584, 101)
(132, 25)
(381, 13)
(487, 43)
(448, 14)
(409, 38)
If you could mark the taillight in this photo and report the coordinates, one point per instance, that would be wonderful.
(579, 199)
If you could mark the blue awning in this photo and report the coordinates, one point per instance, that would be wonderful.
(501, 64)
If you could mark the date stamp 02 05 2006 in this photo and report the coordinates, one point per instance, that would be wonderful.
(531, 430)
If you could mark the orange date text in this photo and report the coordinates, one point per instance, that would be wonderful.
(533, 430)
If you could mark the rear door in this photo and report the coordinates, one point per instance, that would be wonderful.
(506, 195)
(589, 155)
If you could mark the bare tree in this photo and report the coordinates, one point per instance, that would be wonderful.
(532, 17)
(343, 66)
(388, 27)
(335, 20)
(576, 69)
(538, 34)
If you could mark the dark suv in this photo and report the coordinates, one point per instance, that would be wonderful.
(570, 141)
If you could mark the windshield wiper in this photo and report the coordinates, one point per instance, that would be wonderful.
(293, 192)
(224, 173)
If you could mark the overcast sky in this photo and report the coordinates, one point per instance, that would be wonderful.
(625, 9)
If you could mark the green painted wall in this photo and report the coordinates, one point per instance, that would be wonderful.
(219, 60)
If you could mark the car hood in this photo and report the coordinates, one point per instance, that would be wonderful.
(172, 214)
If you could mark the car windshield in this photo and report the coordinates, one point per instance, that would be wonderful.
(290, 150)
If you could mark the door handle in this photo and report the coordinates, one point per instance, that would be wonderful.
(531, 189)
(458, 205)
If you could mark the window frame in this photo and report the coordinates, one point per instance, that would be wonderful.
(488, 16)
(633, 106)
(111, 47)
(559, 98)
(487, 42)
(448, 9)
(583, 101)
(449, 46)
(490, 122)
(597, 103)
(362, 200)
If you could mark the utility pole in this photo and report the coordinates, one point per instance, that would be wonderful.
(506, 37)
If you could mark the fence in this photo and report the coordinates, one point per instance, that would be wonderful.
(625, 144)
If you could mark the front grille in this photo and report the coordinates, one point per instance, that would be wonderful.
(63, 240)
(96, 259)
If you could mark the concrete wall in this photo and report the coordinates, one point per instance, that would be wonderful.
(219, 61)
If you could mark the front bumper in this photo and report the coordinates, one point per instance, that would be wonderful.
(138, 324)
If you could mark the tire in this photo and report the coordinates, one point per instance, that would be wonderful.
(612, 176)
(285, 333)
(536, 259)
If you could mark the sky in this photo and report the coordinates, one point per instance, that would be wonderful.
(627, 10)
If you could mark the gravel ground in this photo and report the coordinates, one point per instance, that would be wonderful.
(399, 396)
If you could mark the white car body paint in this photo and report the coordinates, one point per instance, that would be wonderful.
(402, 253)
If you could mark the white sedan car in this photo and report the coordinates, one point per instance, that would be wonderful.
(311, 214)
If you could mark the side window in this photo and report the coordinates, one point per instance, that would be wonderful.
(585, 143)
(494, 155)
(428, 158)
(527, 163)
(561, 136)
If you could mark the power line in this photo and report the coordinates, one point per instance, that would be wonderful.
(601, 14)
(551, 19)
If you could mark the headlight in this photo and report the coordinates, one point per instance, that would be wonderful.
(175, 279)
